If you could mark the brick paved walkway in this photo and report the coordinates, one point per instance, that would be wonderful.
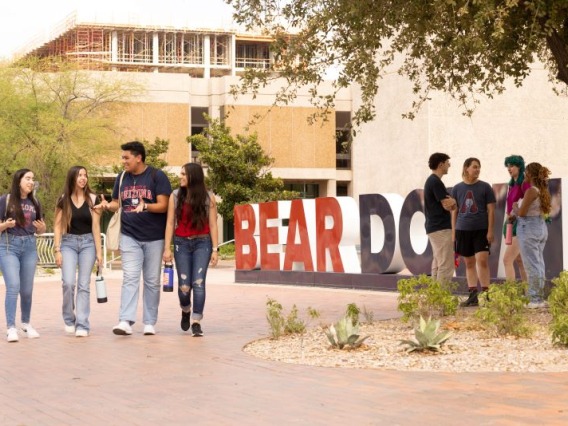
(174, 379)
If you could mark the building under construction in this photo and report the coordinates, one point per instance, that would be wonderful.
(136, 47)
(188, 72)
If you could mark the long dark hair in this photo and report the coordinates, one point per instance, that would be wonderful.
(65, 201)
(14, 207)
(195, 194)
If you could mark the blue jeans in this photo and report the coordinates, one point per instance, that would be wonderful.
(192, 260)
(140, 257)
(18, 260)
(77, 251)
(532, 234)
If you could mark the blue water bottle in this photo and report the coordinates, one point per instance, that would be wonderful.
(168, 277)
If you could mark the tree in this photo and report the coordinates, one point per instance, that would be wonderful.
(238, 168)
(467, 48)
(52, 121)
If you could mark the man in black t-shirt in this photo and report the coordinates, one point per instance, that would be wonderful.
(437, 207)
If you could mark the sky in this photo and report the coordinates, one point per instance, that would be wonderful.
(22, 20)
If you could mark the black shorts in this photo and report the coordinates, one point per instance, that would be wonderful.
(468, 243)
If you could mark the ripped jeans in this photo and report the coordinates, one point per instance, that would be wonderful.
(192, 256)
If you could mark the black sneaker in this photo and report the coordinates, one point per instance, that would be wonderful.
(472, 300)
(185, 320)
(196, 330)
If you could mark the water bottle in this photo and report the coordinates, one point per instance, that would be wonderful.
(100, 287)
(509, 234)
(168, 277)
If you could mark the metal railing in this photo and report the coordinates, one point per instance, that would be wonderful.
(44, 243)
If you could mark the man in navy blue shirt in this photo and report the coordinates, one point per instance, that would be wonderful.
(144, 194)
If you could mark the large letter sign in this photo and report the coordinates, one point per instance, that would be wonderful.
(298, 253)
(245, 242)
(322, 235)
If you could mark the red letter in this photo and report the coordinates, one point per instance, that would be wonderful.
(268, 235)
(244, 237)
(328, 239)
(298, 252)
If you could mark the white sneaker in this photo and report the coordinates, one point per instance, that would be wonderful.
(122, 329)
(12, 334)
(69, 329)
(30, 331)
(149, 330)
(82, 333)
(536, 305)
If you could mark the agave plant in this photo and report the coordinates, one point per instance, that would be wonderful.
(344, 333)
(427, 337)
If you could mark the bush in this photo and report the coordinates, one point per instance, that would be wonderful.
(558, 306)
(289, 324)
(503, 309)
(293, 324)
(227, 251)
(353, 312)
(424, 296)
(274, 317)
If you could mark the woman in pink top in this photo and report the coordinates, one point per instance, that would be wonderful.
(517, 186)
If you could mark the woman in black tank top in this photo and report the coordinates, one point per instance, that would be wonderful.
(77, 245)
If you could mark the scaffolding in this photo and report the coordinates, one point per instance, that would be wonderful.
(139, 48)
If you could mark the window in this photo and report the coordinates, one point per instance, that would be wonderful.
(306, 190)
(198, 124)
(343, 139)
(342, 189)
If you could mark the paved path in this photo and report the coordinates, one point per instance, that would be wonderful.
(174, 379)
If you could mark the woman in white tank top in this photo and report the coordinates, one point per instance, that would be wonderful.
(532, 231)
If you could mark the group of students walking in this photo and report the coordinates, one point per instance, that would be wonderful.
(152, 217)
(462, 224)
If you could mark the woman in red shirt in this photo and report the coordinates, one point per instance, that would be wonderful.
(192, 221)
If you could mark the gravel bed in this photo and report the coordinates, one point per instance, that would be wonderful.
(470, 349)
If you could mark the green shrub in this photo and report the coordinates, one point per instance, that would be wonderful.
(293, 324)
(290, 324)
(227, 251)
(274, 317)
(344, 333)
(502, 308)
(427, 337)
(426, 297)
(353, 312)
(368, 315)
(558, 306)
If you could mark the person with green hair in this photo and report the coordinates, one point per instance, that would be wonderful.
(516, 190)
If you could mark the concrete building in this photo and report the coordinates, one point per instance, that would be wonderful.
(189, 71)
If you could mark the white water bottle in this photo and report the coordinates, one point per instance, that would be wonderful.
(100, 287)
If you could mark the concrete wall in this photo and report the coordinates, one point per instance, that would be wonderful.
(390, 154)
